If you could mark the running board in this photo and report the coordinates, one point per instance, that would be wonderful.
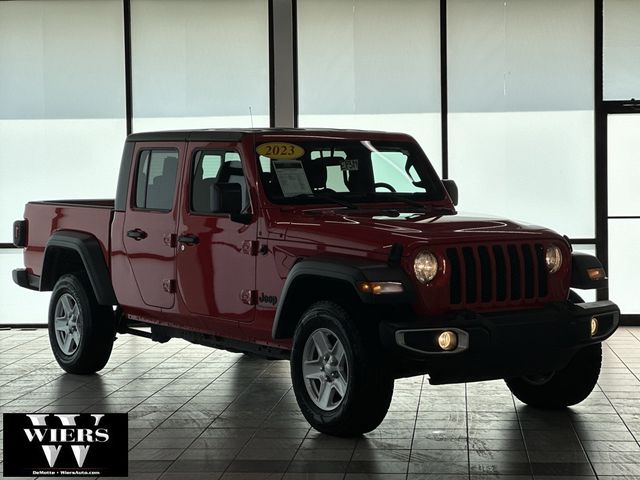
(137, 333)
(162, 334)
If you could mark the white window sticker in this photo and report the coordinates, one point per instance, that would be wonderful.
(292, 178)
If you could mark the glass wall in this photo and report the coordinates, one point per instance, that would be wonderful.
(521, 130)
(622, 82)
(195, 64)
(521, 110)
(621, 49)
(624, 231)
(62, 117)
(62, 105)
(371, 64)
(215, 64)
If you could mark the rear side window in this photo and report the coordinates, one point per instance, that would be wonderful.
(156, 179)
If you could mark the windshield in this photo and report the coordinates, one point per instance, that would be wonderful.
(339, 171)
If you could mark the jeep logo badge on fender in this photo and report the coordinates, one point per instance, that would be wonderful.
(270, 299)
(65, 444)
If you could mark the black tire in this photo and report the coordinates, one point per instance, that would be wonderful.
(565, 387)
(94, 322)
(369, 388)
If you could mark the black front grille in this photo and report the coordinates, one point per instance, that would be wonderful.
(497, 273)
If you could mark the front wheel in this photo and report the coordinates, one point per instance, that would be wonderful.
(339, 381)
(564, 387)
(81, 332)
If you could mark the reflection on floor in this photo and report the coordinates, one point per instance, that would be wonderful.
(198, 413)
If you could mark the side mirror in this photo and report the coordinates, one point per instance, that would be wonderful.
(452, 189)
(244, 218)
(229, 200)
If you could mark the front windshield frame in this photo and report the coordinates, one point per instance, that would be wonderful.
(420, 164)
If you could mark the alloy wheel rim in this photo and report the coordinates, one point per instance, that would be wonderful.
(67, 324)
(325, 369)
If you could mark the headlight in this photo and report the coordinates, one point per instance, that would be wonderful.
(425, 266)
(553, 259)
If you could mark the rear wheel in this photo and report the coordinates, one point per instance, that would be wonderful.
(81, 332)
(338, 377)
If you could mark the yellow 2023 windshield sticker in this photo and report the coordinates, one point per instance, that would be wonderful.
(280, 151)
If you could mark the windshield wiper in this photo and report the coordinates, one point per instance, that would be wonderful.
(404, 199)
(327, 196)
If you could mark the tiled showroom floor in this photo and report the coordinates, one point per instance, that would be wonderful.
(200, 413)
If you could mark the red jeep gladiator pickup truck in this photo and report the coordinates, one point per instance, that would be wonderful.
(339, 250)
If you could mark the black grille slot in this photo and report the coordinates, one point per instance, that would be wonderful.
(456, 283)
(542, 271)
(486, 276)
(528, 271)
(501, 273)
(470, 274)
(514, 261)
(497, 273)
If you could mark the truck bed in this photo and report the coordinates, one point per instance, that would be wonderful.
(104, 203)
(47, 217)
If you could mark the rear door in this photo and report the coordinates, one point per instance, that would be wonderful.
(216, 256)
(149, 233)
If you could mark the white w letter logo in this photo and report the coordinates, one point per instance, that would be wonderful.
(51, 452)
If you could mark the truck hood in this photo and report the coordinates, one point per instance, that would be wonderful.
(376, 231)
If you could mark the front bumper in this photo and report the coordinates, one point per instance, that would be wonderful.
(497, 345)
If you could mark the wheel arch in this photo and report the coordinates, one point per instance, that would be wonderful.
(334, 279)
(69, 251)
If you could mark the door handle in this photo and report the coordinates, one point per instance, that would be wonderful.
(137, 234)
(188, 239)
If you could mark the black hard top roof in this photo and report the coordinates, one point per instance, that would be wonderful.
(234, 135)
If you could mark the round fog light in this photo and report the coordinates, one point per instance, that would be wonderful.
(594, 326)
(448, 340)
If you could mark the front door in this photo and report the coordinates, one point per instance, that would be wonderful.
(150, 221)
(216, 256)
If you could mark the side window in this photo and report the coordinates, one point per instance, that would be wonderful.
(156, 179)
(212, 167)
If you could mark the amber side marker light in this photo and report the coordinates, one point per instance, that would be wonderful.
(594, 326)
(380, 288)
(448, 340)
(596, 273)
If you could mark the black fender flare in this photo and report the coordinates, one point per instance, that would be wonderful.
(88, 249)
(346, 271)
(580, 264)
